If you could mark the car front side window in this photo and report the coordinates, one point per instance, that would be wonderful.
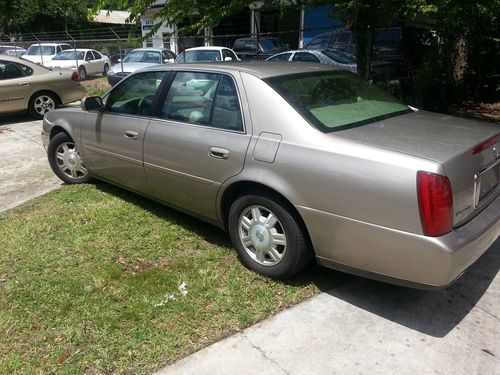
(135, 95)
(9, 70)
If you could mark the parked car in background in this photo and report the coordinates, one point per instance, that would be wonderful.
(41, 53)
(206, 54)
(18, 52)
(296, 161)
(28, 86)
(341, 59)
(115, 58)
(84, 61)
(246, 48)
(12, 50)
(137, 59)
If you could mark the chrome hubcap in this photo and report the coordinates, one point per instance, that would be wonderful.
(262, 235)
(43, 104)
(69, 160)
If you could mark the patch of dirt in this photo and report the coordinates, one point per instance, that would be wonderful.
(4, 129)
(479, 111)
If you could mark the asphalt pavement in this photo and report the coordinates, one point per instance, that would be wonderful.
(359, 327)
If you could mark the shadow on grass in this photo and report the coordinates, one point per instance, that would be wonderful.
(434, 313)
(324, 278)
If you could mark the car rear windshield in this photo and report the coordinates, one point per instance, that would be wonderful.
(340, 56)
(143, 57)
(198, 56)
(336, 100)
(41, 50)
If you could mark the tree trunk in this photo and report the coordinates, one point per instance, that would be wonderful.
(459, 58)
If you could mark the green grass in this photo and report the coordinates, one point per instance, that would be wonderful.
(96, 86)
(83, 268)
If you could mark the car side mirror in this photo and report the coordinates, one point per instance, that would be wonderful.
(92, 103)
(227, 58)
(169, 61)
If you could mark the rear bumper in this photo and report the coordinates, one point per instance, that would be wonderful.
(400, 257)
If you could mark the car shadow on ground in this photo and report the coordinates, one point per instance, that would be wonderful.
(14, 119)
(434, 313)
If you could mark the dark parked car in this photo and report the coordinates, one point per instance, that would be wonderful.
(246, 48)
(115, 59)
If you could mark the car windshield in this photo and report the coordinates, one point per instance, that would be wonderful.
(152, 57)
(336, 100)
(70, 55)
(198, 56)
(268, 44)
(41, 50)
(340, 56)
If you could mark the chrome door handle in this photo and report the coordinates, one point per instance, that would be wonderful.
(218, 152)
(130, 134)
(24, 84)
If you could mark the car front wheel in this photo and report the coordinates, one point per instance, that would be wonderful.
(65, 160)
(267, 236)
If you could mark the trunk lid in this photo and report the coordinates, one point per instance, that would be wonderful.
(474, 172)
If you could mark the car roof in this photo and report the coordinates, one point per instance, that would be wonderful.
(206, 48)
(149, 49)
(49, 44)
(22, 61)
(261, 69)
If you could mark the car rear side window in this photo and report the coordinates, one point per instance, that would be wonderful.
(336, 100)
(204, 99)
(135, 95)
(305, 56)
(280, 57)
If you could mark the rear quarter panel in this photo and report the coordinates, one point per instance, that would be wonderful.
(329, 174)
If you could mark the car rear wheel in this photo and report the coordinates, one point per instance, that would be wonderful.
(40, 103)
(65, 160)
(267, 236)
(82, 73)
(105, 71)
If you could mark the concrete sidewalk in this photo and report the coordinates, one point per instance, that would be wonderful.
(366, 327)
(24, 170)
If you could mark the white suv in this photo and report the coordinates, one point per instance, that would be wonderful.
(41, 53)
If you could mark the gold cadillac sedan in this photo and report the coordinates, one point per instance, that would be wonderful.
(28, 86)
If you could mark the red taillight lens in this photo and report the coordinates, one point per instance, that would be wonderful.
(486, 144)
(435, 202)
(75, 77)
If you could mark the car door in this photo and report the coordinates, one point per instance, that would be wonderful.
(99, 61)
(14, 87)
(112, 139)
(196, 141)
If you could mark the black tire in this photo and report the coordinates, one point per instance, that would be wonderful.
(82, 73)
(39, 99)
(297, 253)
(55, 143)
(105, 71)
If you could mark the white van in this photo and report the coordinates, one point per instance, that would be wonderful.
(41, 53)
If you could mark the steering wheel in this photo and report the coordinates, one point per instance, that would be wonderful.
(144, 104)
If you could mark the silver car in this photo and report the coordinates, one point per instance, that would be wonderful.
(296, 162)
(341, 59)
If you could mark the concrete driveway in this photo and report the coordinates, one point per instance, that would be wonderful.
(360, 327)
(24, 170)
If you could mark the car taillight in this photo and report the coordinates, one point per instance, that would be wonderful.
(75, 77)
(435, 202)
